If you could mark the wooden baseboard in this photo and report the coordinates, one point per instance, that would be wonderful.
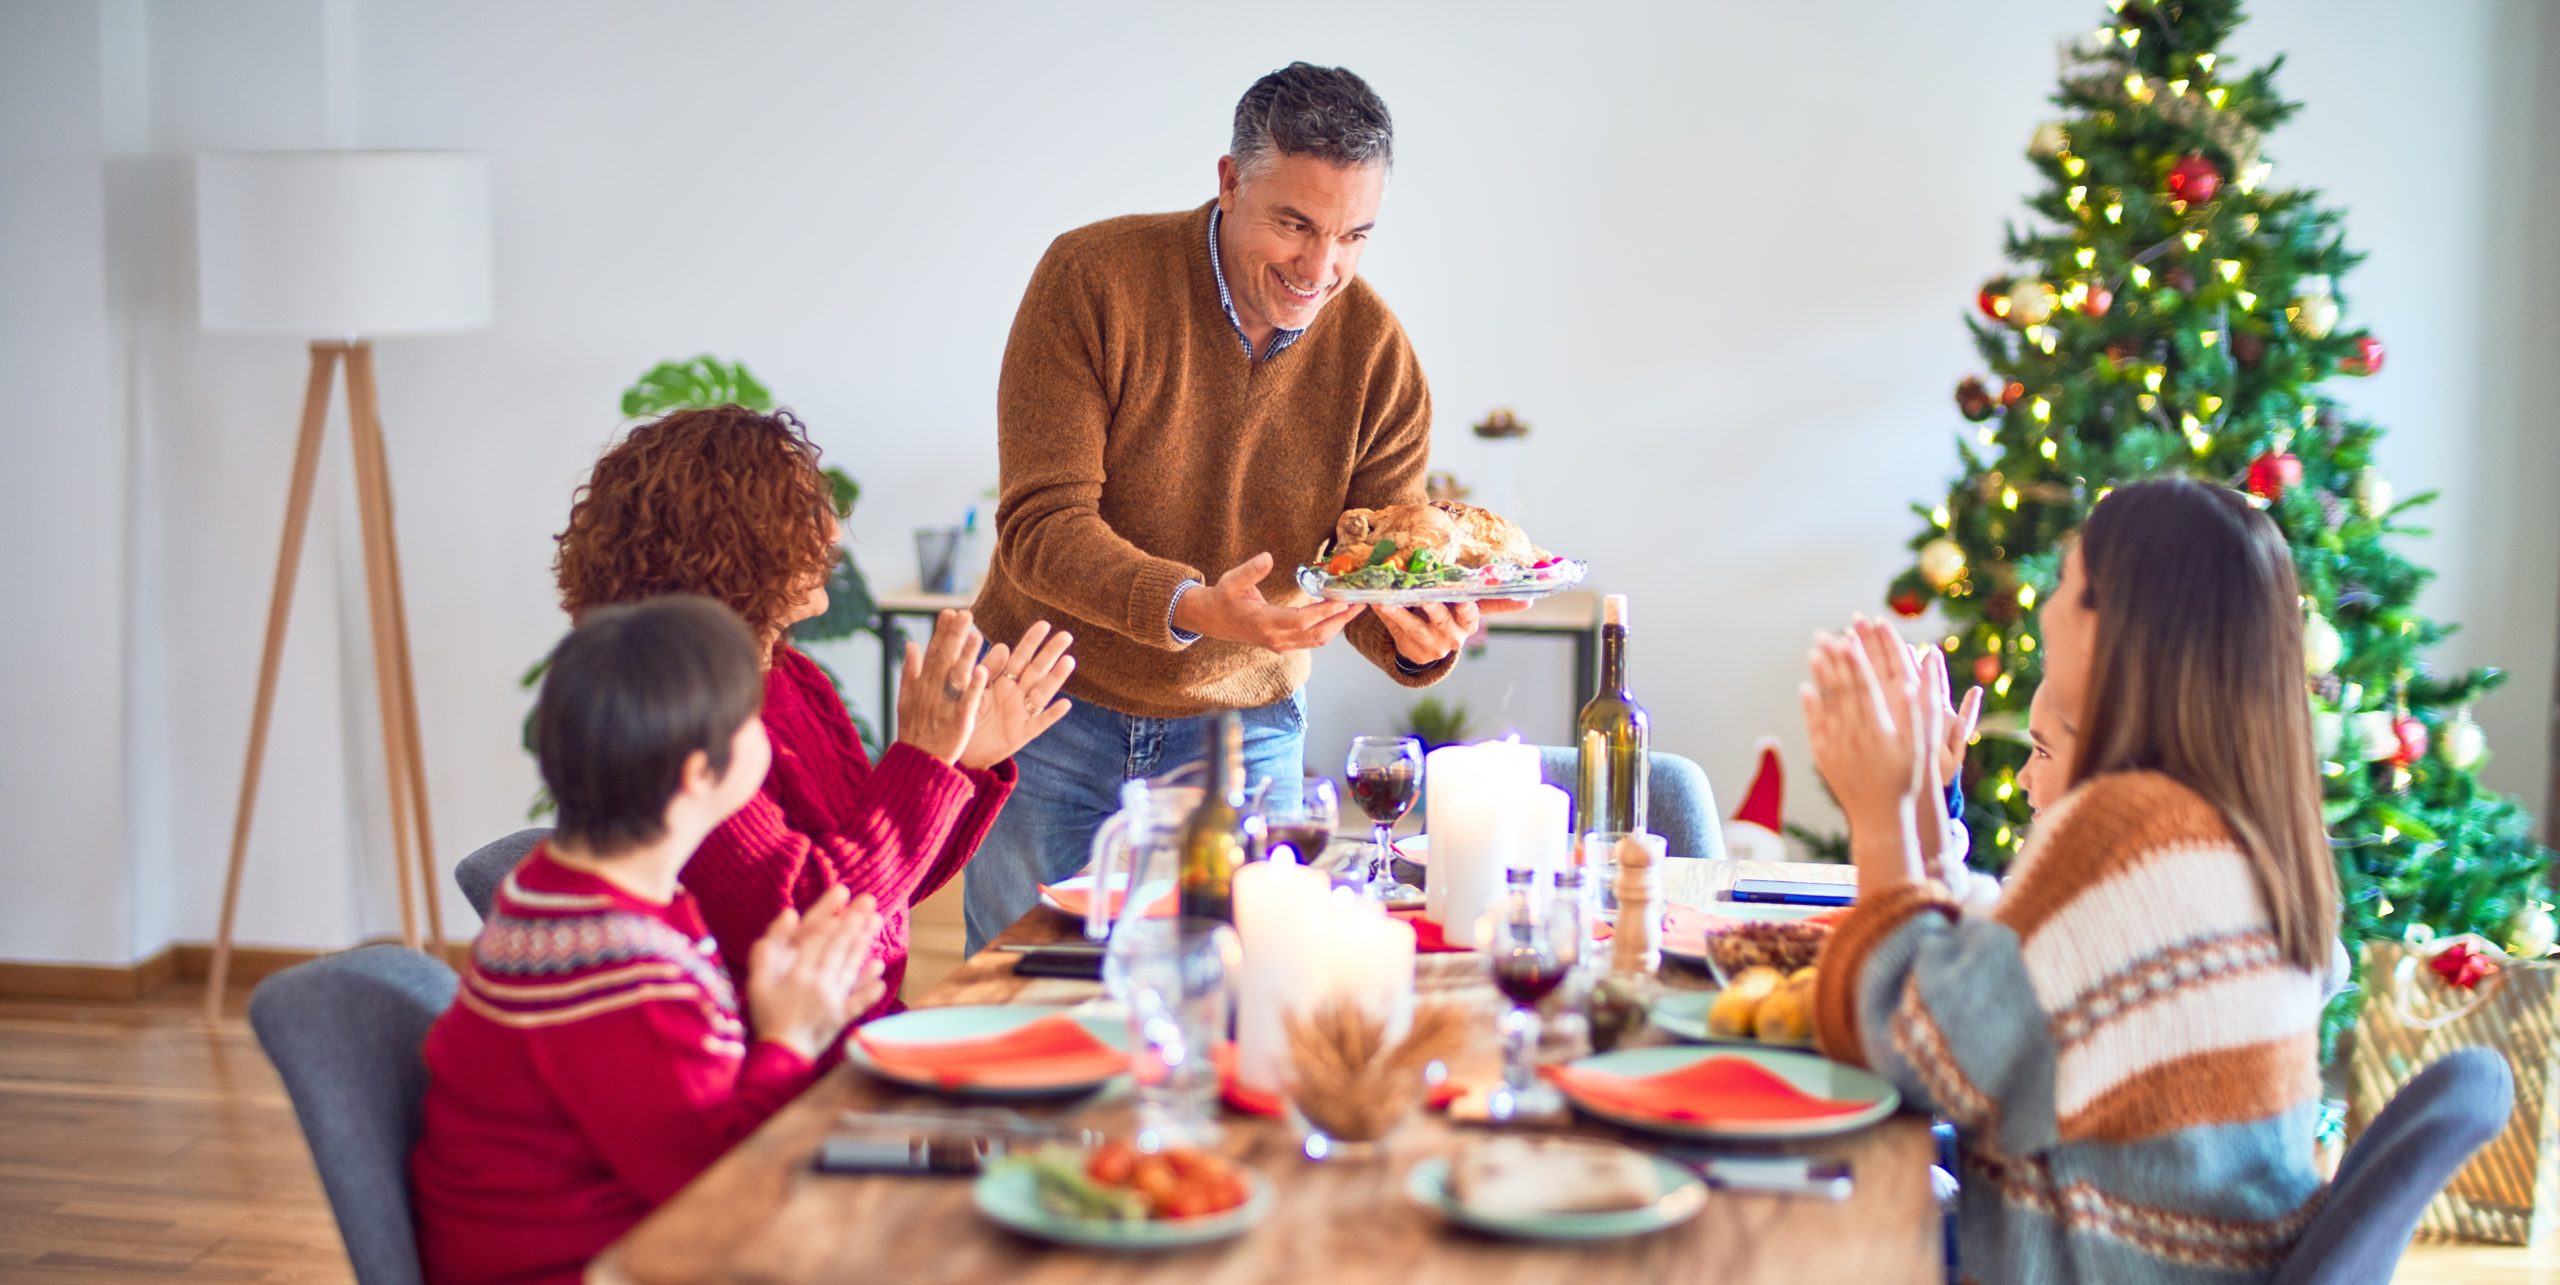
(186, 961)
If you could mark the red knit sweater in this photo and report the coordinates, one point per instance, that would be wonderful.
(593, 1062)
(827, 816)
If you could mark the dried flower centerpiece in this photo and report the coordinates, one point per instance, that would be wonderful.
(1348, 1087)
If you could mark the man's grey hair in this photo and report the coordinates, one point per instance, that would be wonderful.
(1306, 110)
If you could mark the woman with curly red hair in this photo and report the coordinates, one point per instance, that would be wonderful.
(730, 503)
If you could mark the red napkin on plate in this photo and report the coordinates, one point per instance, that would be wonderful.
(1053, 1051)
(1711, 1089)
(1428, 938)
(1077, 899)
(1684, 930)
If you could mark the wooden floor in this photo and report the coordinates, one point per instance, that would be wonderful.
(136, 1144)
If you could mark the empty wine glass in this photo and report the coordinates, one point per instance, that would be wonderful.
(1386, 778)
(1533, 940)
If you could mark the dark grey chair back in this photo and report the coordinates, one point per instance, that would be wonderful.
(2407, 1155)
(482, 871)
(1680, 805)
(345, 1033)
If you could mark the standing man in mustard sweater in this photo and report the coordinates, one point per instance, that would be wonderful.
(1188, 402)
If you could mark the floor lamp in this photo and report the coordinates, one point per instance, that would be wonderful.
(344, 246)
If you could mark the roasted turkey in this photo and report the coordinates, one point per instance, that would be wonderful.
(1459, 534)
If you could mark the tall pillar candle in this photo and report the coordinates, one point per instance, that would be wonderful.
(1281, 912)
(1471, 791)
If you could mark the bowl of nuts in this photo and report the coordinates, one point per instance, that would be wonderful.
(1732, 936)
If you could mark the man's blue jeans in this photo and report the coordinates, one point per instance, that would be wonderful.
(1070, 785)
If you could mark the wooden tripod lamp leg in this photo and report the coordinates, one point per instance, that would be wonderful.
(374, 506)
(365, 414)
(297, 514)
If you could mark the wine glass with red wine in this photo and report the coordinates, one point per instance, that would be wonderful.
(1386, 777)
(1304, 821)
(1534, 940)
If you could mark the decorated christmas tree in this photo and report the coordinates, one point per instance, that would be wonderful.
(2172, 310)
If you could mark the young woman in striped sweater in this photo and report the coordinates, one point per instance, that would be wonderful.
(730, 503)
(2128, 1043)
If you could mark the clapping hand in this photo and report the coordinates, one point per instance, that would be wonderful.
(1021, 699)
(940, 687)
(810, 975)
(1874, 741)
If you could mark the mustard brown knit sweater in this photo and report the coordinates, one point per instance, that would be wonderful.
(1139, 447)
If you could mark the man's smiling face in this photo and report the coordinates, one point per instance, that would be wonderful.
(1291, 233)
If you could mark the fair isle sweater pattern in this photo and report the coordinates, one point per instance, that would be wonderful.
(545, 958)
(2129, 1059)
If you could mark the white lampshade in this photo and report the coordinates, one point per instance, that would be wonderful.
(343, 244)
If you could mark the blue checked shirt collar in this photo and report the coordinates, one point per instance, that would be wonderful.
(1280, 339)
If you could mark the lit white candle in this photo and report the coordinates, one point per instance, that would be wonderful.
(1473, 793)
(1537, 832)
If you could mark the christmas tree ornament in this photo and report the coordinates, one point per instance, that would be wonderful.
(2248, 350)
(2048, 140)
(2532, 933)
(2098, 301)
(2193, 179)
(2373, 493)
(2326, 727)
(2011, 392)
(2465, 962)
(2315, 313)
(2322, 647)
(1907, 603)
(1986, 670)
(2463, 744)
(1941, 563)
(1994, 299)
(2367, 359)
(2273, 474)
(2377, 739)
(2411, 736)
(2030, 303)
(1974, 399)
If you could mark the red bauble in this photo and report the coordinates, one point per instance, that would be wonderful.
(1974, 399)
(1994, 299)
(1986, 670)
(2009, 395)
(2193, 179)
(2413, 740)
(2273, 474)
(1907, 602)
(2367, 359)
(2100, 299)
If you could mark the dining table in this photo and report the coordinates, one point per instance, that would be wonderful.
(762, 1212)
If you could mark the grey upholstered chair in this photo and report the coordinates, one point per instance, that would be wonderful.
(482, 871)
(1680, 805)
(344, 1032)
(2405, 1157)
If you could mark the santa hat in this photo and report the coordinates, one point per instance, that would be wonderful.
(1757, 830)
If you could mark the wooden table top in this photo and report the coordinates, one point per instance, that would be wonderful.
(762, 1214)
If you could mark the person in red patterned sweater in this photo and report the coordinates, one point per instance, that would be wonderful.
(730, 503)
(594, 1059)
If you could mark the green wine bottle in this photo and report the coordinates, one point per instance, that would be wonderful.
(1615, 737)
(1217, 838)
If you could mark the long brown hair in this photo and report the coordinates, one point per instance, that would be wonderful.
(2197, 674)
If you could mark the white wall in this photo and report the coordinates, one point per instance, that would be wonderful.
(1717, 255)
(62, 482)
